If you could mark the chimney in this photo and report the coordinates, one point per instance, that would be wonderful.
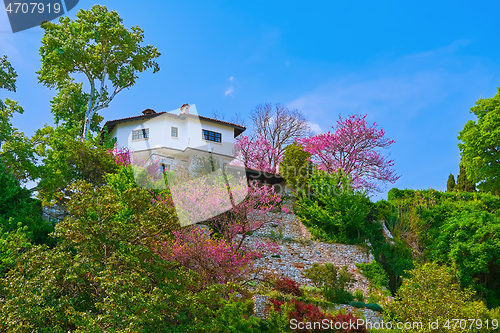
(148, 111)
(185, 108)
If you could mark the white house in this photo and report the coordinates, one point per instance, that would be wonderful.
(175, 136)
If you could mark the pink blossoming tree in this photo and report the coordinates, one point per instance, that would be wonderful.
(257, 154)
(354, 146)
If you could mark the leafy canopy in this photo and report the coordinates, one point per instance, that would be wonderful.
(480, 146)
(17, 151)
(98, 46)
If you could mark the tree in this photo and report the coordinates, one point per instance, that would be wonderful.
(480, 146)
(470, 241)
(354, 148)
(98, 46)
(296, 167)
(450, 185)
(279, 126)
(463, 183)
(17, 152)
(104, 274)
(257, 154)
(70, 160)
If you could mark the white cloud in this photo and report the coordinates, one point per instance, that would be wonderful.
(315, 128)
(231, 78)
(229, 91)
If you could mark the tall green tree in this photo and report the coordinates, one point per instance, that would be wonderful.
(296, 168)
(450, 186)
(480, 146)
(97, 45)
(17, 152)
(463, 182)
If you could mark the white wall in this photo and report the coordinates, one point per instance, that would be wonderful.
(189, 133)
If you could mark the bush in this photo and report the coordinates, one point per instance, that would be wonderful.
(289, 286)
(375, 273)
(371, 306)
(332, 281)
(310, 314)
(470, 241)
(432, 293)
(332, 209)
(17, 206)
(358, 295)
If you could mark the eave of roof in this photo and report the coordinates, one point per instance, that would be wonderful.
(110, 124)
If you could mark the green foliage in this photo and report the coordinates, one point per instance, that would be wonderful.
(429, 220)
(332, 209)
(104, 275)
(450, 185)
(463, 183)
(97, 45)
(17, 206)
(12, 245)
(480, 145)
(17, 151)
(332, 281)
(359, 295)
(371, 306)
(278, 320)
(470, 241)
(375, 273)
(295, 167)
(69, 160)
(432, 293)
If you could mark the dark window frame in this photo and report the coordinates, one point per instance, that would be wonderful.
(176, 131)
(211, 136)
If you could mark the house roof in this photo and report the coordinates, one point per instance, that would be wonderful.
(110, 124)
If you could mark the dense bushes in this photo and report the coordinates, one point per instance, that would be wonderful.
(375, 273)
(105, 275)
(332, 209)
(460, 229)
(432, 293)
(18, 207)
(288, 286)
(470, 241)
(312, 319)
(332, 281)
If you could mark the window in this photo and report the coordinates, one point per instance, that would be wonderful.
(140, 134)
(174, 131)
(212, 136)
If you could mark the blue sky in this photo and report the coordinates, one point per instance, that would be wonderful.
(414, 67)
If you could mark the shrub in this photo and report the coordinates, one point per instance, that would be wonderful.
(332, 281)
(373, 298)
(332, 209)
(17, 206)
(375, 273)
(432, 293)
(358, 295)
(470, 241)
(310, 314)
(289, 286)
(371, 306)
